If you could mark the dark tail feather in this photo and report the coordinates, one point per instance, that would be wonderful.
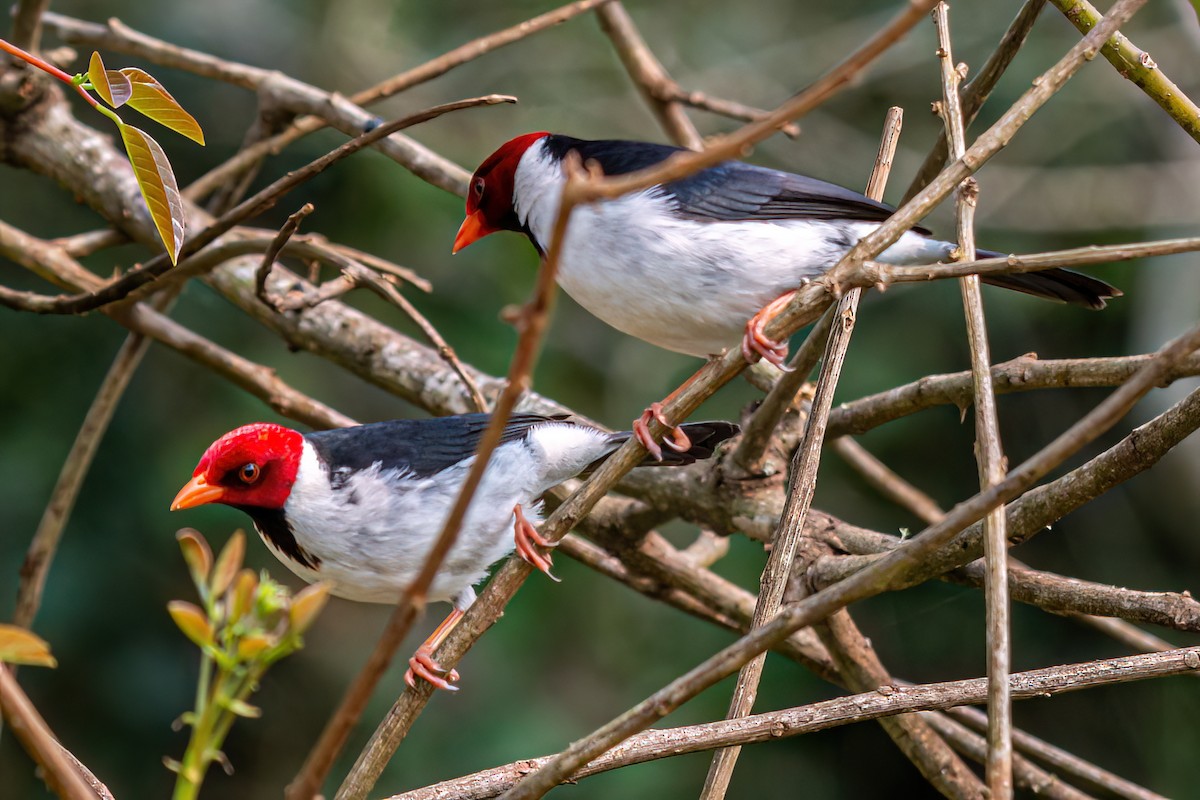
(705, 437)
(1060, 285)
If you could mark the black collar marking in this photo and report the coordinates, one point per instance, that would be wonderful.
(272, 524)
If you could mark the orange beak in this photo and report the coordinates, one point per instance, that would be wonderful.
(473, 228)
(196, 492)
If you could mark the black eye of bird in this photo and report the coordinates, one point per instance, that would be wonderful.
(248, 473)
(479, 187)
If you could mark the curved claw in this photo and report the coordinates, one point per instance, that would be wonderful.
(676, 439)
(756, 344)
(422, 665)
(641, 429)
(526, 537)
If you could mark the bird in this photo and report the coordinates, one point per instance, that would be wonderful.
(361, 507)
(697, 264)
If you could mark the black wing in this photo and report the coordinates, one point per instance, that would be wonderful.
(422, 446)
(732, 190)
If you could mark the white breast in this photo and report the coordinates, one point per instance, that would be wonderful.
(373, 534)
(683, 285)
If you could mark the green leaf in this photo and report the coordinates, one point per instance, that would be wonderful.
(150, 98)
(112, 86)
(196, 553)
(192, 622)
(229, 562)
(21, 646)
(157, 182)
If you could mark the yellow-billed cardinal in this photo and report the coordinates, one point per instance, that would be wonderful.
(361, 507)
(700, 263)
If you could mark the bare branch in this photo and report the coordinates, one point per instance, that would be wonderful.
(35, 736)
(1071, 766)
(802, 487)
(884, 701)
(1024, 373)
(1026, 775)
(989, 454)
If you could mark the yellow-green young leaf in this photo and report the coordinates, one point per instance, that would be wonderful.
(196, 553)
(157, 182)
(229, 562)
(243, 709)
(242, 600)
(150, 98)
(250, 647)
(113, 87)
(21, 646)
(306, 605)
(192, 622)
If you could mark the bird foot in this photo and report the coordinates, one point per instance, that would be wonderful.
(756, 344)
(528, 540)
(422, 665)
(676, 439)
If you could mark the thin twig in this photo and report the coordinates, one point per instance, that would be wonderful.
(802, 487)
(124, 286)
(84, 244)
(393, 85)
(534, 319)
(1075, 257)
(36, 566)
(510, 577)
(1043, 506)
(887, 482)
(1024, 373)
(335, 109)
(930, 753)
(50, 261)
(385, 288)
(975, 93)
(1026, 774)
(989, 455)
(726, 108)
(1066, 764)
(884, 701)
(37, 739)
(286, 232)
(889, 572)
(648, 74)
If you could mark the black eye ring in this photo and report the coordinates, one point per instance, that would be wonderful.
(248, 473)
(478, 187)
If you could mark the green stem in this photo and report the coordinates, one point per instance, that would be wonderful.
(50, 69)
(199, 753)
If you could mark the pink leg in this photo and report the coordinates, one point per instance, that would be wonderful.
(422, 665)
(756, 344)
(528, 540)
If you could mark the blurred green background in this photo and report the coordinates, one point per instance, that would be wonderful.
(1099, 164)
